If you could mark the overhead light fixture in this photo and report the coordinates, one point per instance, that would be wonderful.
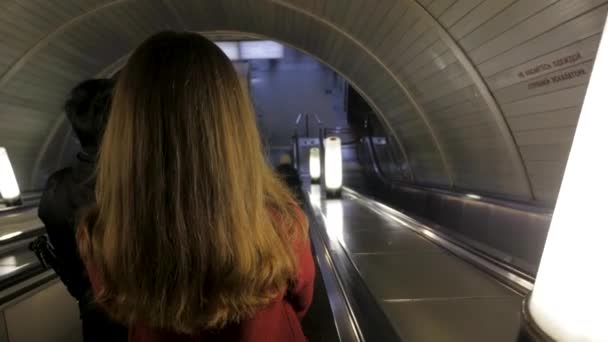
(314, 164)
(251, 49)
(333, 165)
(261, 49)
(9, 189)
(230, 49)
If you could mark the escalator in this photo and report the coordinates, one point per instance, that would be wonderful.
(381, 276)
(19, 226)
(34, 305)
(427, 292)
(27, 289)
(401, 278)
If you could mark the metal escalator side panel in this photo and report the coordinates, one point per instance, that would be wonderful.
(357, 315)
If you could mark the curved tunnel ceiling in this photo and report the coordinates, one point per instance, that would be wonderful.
(481, 95)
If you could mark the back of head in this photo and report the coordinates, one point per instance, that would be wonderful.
(88, 108)
(194, 230)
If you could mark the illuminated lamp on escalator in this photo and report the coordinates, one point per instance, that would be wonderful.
(333, 166)
(9, 189)
(569, 301)
(314, 164)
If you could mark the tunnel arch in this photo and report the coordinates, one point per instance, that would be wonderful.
(62, 125)
(75, 21)
(395, 52)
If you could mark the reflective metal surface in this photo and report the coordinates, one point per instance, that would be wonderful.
(16, 263)
(466, 320)
(18, 227)
(510, 233)
(343, 317)
(507, 274)
(427, 292)
(356, 312)
(28, 200)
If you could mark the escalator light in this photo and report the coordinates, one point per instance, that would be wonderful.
(333, 163)
(569, 301)
(9, 189)
(314, 163)
(260, 49)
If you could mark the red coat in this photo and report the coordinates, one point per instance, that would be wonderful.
(279, 321)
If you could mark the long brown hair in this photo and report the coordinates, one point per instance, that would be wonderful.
(193, 230)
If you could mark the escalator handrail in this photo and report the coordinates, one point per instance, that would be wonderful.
(510, 276)
(30, 234)
(27, 281)
(30, 200)
(485, 197)
(365, 318)
(24, 278)
(342, 313)
(523, 276)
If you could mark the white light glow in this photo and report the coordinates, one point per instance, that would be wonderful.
(261, 49)
(333, 163)
(9, 189)
(314, 163)
(10, 235)
(10, 260)
(334, 220)
(569, 301)
(315, 195)
(231, 49)
(473, 196)
(429, 234)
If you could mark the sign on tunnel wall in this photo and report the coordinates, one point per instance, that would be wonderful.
(552, 75)
(564, 61)
(567, 57)
(563, 75)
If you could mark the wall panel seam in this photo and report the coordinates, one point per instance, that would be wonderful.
(486, 93)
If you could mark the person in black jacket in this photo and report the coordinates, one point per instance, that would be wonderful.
(71, 190)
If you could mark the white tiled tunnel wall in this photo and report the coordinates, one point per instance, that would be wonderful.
(463, 85)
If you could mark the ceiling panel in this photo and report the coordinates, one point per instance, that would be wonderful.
(508, 18)
(573, 31)
(435, 59)
(475, 15)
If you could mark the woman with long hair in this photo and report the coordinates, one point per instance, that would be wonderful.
(193, 236)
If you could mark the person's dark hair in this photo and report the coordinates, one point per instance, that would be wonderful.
(88, 109)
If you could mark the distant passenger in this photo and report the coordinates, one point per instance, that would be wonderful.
(194, 237)
(67, 192)
(289, 173)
